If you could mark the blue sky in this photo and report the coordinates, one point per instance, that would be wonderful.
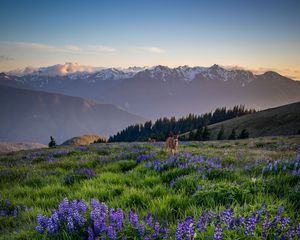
(252, 34)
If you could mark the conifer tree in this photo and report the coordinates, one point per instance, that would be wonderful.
(205, 134)
(52, 142)
(232, 136)
(221, 133)
(244, 134)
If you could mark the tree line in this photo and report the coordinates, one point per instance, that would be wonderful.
(162, 127)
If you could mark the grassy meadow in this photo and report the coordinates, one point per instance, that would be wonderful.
(242, 189)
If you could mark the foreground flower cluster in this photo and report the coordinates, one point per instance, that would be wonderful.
(104, 223)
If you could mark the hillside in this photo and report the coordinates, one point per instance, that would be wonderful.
(83, 140)
(34, 116)
(13, 147)
(283, 120)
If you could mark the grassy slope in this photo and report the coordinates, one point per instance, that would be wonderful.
(12, 147)
(83, 140)
(284, 120)
(41, 184)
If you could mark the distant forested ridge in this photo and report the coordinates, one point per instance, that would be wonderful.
(162, 127)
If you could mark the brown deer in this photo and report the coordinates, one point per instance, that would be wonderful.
(172, 144)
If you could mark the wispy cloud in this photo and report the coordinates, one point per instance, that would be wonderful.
(152, 49)
(73, 48)
(101, 48)
(6, 58)
(67, 48)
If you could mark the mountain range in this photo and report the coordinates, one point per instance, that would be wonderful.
(71, 100)
(153, 92)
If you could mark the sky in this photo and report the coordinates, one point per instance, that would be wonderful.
(258, 35)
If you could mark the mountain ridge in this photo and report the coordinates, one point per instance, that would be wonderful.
(34, 116)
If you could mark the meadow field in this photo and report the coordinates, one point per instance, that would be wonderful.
(242, 189)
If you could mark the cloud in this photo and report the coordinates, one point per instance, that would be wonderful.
(25, 45)
(6, 58)
(49, 48)
(151, 49)
(101, 48)
(73, 48)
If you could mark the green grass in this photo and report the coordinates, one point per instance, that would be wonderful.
(169, 195)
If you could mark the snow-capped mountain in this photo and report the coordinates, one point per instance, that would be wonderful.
(76, 71)
(163, 91)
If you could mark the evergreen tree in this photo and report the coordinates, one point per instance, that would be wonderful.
(52, 142)
(191, 136)
(162, 126)
(205, 134)
(244, 134)
(198, 135)
(232, 136)
(221, 133)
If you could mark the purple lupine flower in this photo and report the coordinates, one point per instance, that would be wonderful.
(202, 222)
(104, 208)
(263, 208)
(156, 230)
(218, 235)
(146, 237)
(148, 165)
(133, 218)
(280, 210)
(266, 224)
(165, 231)
(95, 203)
(141, 229)
(111, 232)
(298, 230)
(99, 226)
(291, 233)
(42, 223)
(63, 209)
(90, 233)
(15, 212)
(284, 223)
(189, 227)
(240, 221)
(117, 217)
(89, 173)
(179, 231)
(149, 220)
(80, 220)
(228, 216)
(53, 223)
(70, 225)
(82, 206)
(251, 224)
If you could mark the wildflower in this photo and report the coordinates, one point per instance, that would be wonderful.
(149, 220)
(42, 223)
(284, 223)
(141, 229)
(133, 218)
(111, 232)
(179, 231)
(90, 233)
(218, 232)
(251, 224)
(53, 223)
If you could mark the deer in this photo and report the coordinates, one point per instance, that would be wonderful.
(172, 144)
